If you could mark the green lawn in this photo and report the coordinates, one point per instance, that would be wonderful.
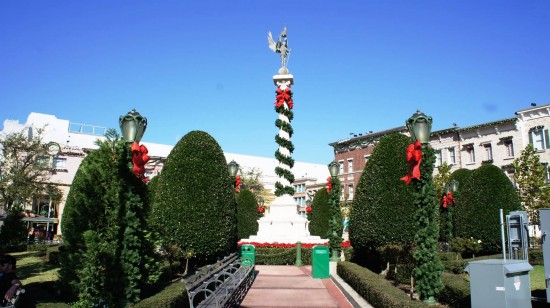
(537, 278)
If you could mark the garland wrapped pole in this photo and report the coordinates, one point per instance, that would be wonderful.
(283, 106)
(335, 222)
(421, 159)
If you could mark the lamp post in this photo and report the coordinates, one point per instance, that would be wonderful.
(428, 268)
(233, 169)
(335, 230)
(450, 189)
(133, 126)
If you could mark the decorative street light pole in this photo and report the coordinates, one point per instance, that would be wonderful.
(335, 229)
(448, 203)
(133, 127)
(233, 169)
(428, 268)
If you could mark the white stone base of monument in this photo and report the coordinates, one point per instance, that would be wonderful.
(283, 225)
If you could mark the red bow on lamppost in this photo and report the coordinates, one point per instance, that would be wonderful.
(308, 209)
(284, 96)
(261, 209)
(414, 157)
(329, 184)
(139, 159)
(237, 184)
(448, 200)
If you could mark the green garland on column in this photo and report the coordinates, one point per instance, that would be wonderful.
(428, 267)
(335, 222)
(284, 97)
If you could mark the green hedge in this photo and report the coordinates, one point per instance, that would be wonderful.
(287, 256)
(456, 291)
(536, 257)
(173, 295)
(247, 214)
(374, 288)
(320, 214)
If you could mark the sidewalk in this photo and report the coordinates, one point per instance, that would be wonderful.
(292, 286)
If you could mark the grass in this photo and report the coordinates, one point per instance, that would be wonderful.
(537, 278)
(38, 278)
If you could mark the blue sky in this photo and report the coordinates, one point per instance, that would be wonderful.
(205, 65)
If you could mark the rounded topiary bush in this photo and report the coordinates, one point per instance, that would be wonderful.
(486, 191)
(383, 211)
(320, 214)
(446, 228)
(247, 214)
(194, 206)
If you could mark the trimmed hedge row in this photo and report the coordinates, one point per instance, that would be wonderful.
(456, 291)
(287, 256)
(173, 295)
(374, 288)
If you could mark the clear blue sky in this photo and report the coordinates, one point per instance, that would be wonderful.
(205, 65)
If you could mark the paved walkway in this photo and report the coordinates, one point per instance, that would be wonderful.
(291, 286)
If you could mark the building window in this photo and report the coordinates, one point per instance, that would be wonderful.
(350, 192)
(366, 158)
(452, 155)
(59, 163)
(488, 152)
(438, 158)
(509, 148)
(539, 139)
(300, 188)
(471, 154)
(341, 171)
(350, 165)
(43, 161)
(301, 201)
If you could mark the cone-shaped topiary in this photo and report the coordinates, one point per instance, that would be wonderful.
(320, 214)
(194, 206)
(107, 256)
(247, 214)
(476, 215)
(383, 211)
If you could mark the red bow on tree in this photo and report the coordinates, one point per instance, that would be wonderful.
(308, 209)
(261, 209)
(329, 184)
(448, 200)
(139, 159)
(237, 183)
(414, 157)
(282, 97)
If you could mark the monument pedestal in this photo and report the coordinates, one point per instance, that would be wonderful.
(283, 225)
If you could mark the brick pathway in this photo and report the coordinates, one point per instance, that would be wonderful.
(291, 286)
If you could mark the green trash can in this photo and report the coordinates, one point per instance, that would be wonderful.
(320, 262)
(248, 254)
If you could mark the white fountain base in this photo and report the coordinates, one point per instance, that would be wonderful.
(283, 225)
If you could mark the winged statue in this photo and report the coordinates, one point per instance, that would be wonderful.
(281, 46)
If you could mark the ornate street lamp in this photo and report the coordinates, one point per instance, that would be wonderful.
(333, 168)
(133, 126)
(420, 126)
(453, 185)
(233, 168)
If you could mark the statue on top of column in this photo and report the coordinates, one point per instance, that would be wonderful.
(281, 47)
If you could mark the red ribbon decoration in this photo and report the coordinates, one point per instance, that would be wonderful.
(308, 209)
(448, 200)
(261, 209)
(237, 183)
(414, 157)
(139, 159)
(282, 97)
(329, 184)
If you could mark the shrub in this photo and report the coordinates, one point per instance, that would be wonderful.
(13, 233)
(465, 246)
(194, 206)
(383, 210)
(247, 214)
(456, 291)
(374, 288)
(320, 214)
(173, 295)
(536, 257)
(486, 191)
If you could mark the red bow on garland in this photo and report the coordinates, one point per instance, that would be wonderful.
(261, 209)
(308, 209)
(329, 184)
(448, 200)
(282, 97)
(139, 159)
(237, 183)
(414, 157)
